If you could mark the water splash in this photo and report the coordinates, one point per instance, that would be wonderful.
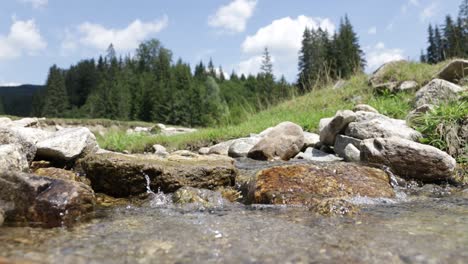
(159, 199)
(399, 190)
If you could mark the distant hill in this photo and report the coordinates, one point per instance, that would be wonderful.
(17, 100)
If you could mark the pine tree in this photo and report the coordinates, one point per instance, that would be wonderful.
(350, 57)
(2, 108)
(211, 69)
(423, 57)
(267, 64)
(305, 64)
(56, 100)
(432, 51)
(439, 44)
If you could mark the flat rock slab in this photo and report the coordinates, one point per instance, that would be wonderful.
(454, 71)
(43, 201)
(121, 175)
(305, 184)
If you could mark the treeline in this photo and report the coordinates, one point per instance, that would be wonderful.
(324, 57)
(151, 87)
(449, 40)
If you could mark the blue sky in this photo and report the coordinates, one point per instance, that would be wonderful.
(34, 34)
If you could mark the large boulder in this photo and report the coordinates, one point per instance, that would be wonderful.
(30, 134)
(438, 91)
(312, 154)
(8, 136)
(409, 159)
(5, 121)
(454, 71)
(26, 122)
(379, 76)
(12, 158)
(336, 126)
(365, 108)
(241, 147)
(304, 184)
(122, 175)
(371, 125)
(323, 123)
(67, 145)
(43, 201)
(284, 141)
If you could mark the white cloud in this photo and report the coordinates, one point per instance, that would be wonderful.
(283, 38)
(372, 31)
(24, 38)
(99, 37)
(379, 54)
(233, 17)
(428, 12)
(414, 2)
(9, 84)
(36, 3)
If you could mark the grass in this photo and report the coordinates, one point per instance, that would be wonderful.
(411, 71)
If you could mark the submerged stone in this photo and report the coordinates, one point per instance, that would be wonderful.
(199, 198)
(121, 175)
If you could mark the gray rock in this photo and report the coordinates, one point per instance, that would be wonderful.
(323, 123)
(365, 108)
(419, 111)
(454, 71)
(311, 140)
(284, 141)
(386, 87)
(436, 92)
(409, 159)
(221, 148)
(204, 151)
(337, 125)
(2, 216)
(5, 121)
(26, 122)
(32, 135)
(43, 200)
(378, 75)
(371, 125)
(407, 86)
(351, 153)
(265, 132)
(317, 155)
(341, 147)
(12, 158)
(67, 145)
(8, 136)
(241, 147)
(160, 150)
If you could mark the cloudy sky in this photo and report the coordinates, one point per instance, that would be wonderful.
(34, 34)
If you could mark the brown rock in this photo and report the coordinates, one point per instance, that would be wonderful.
(454, 71)
(56, 173)
(306, 184)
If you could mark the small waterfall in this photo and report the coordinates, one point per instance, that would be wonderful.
(399, 194)
(158, 199)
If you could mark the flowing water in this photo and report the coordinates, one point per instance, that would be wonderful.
(429, 225)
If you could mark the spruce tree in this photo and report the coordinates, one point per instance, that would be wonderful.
(305, 64)
(439, 44)
(350, 57)
(2, 108)
(432, 52)
(56, 100)
(267, 64)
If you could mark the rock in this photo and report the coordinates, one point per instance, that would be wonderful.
(339, 84)
(122, 175)
(312, 154)
(386, 87)
(32, 135)
(199, 198)
(305, 184)
(67, 145)
(409, 159)
(160, 150)
(407, 86)
(371, 125)
(56, 173)
(241, 147)
(311, 140)
(365, 108)
(221, 148)
(5, 121)
(337, 125)
(284, 141)
(12, 158)
(265, 132)
(44, 201)
(335, 207)
(347, 148)
(379, 75)
(454, 71)
(323, 123)
(419, 111)
(436, 92)
(26, 122)
(8, 136)
(2, 219)
(204, 151)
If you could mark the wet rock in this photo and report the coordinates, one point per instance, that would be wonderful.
(44, 201)
(335, 207)
(371, 125)
(409, 159)
(199, 198)
(365, 108)
(311, 140)
(241, 147)
(347, 148)
(56, 173)
(438, 91)
(454, 71)
(337, 125)
(121, 175)
(284, 141)
(313, 154)
(379, 75)
(35, 165)
(67, 145)
(12, 158)
(160, 150)
(8, 136)
(304, 184)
